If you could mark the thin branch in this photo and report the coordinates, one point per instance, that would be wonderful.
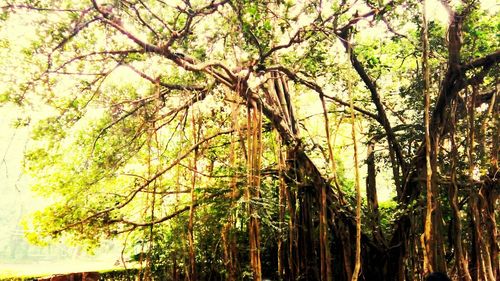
(146, 46)
(134, 193)
(370, 84)
(123, 52)
(358, 18)
(30, 7)
(163, 84)
(75, 32)
(156, 16)
(179, 59)
(296, 38)
(172, 215)
(143, 22)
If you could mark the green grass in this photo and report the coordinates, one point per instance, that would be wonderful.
(13, 276)
(109, 274)
(40, 269)
(32, 271)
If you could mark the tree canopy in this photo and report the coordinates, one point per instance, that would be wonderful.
(236, 140)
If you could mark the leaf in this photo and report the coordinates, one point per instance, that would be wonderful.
(267, 25)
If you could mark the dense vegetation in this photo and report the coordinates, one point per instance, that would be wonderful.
(242, 140)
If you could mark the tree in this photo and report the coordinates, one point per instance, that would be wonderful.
(165, 109)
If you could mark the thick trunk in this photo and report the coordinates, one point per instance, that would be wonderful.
(307, 264)
(306, 178)
(305, 186)
(397, 250)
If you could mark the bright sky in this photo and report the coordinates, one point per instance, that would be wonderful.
(12, 143)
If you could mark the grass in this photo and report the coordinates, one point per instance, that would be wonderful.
(23, 271)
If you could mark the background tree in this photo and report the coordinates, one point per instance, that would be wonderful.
(176, 123)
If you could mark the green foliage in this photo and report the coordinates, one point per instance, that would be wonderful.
(129, 95)
(478, 30)
(121, 275)
(388, 215)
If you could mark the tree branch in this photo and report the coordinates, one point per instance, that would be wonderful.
(134, 193)
(163, 84)
(382, 116)
(485, 61)
(315, 87)
(172, 215)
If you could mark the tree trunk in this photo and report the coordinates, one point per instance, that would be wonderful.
(254, 131)
(428, 240)
(192, 255)
(307, 264)
(486, 247)
(460, 258)
(490, 198)
(282, 212)
(371, 194)
(326, 272)
(228, 237)
(480, 272)
(293, 256)
(357, 259)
